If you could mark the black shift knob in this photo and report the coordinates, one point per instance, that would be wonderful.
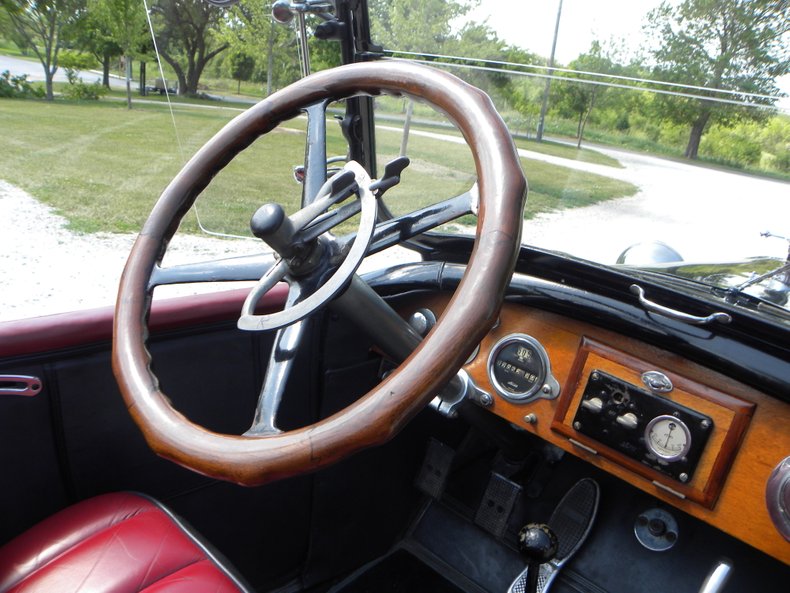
(537, 542)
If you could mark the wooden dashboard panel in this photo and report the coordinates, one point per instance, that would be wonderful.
(751, 437)
(730, 417)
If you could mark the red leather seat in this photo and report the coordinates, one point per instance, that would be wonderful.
(112, 543)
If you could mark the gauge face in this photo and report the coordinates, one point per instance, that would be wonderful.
(518, 367)
(668, 438)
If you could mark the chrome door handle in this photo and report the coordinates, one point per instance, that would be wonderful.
(719, 316)
(19, 385)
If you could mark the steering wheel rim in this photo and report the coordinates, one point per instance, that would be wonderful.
(380, 414)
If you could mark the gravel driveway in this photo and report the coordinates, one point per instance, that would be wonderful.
(47, 268)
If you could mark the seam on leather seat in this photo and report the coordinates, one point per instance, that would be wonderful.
(158, 582)
(202, 552)
(144, 587)
(211, 554)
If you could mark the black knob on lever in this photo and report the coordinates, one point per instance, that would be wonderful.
(539, 544)
(271, 224)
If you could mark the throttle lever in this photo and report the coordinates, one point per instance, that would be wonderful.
(330, 219)
(391, 177)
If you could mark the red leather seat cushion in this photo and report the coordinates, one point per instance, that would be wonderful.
(112, 543)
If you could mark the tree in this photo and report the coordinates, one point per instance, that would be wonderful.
(241, 67)
(719, 44)
(126, 22)
(478, 41)
(8, 31)
(251, 30)
(187, 38)
(94, 37)
(41, 26)
(416, 25)
(577, 99)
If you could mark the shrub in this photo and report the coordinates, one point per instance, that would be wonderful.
(18, 87)
(738, 146)
(622, 124)
(79, 91)
(782, 160)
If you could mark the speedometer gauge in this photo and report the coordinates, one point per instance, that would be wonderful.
(668, 438)
(519, 369)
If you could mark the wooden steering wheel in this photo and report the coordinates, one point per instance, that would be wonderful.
(265, 455)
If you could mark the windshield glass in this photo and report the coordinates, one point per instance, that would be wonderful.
(650, 132)
(643, 142)
(615, 140)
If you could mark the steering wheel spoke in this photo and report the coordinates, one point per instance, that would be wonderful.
(235, 269)
(402, 228)
(281, 360)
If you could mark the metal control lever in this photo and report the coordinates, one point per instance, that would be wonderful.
(571, 523)
(717, 578)
(539, 545)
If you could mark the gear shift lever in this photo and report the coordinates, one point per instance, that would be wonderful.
(571, 520)
(539, 544)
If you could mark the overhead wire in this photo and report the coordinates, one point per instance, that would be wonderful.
(431, 59)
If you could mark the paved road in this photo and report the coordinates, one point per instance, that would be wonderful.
(705, 214)
(35, 71)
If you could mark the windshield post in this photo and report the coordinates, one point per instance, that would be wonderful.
(356, 46)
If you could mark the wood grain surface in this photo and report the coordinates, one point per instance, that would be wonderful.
(751, 436)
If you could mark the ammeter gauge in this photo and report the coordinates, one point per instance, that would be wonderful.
(668, 438)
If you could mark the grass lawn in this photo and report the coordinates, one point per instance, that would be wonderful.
(102, 166)
(568, 152)
(426, 118)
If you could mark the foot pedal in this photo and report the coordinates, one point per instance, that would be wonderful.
(497, 504)
(435, 469)
(571, 522)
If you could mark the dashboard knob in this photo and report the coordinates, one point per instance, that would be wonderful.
(594, 404)
(656, 527)
(628, 420)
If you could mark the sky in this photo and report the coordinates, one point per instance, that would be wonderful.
(529, 24)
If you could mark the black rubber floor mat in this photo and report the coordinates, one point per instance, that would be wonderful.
(400, 572)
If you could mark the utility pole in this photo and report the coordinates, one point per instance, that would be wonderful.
(544, 107)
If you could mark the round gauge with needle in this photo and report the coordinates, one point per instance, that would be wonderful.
(668, 438)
